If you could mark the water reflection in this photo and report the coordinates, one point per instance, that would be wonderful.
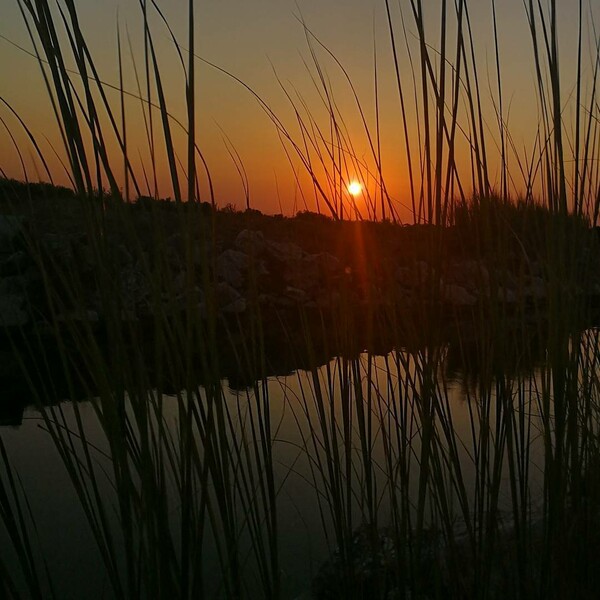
(347, 438)
(474, 352)
(369, 407)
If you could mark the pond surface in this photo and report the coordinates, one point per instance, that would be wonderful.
(368, 409)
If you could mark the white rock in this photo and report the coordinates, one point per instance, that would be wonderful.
(471, 274)
(230, 266)
(284, 251)
(325, 262)
(251, 242)
(297, 295)
(458, 295)
(226, 294)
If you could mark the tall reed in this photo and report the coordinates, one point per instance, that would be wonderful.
(421, 491)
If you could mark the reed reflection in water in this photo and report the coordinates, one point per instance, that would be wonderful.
(401, 443)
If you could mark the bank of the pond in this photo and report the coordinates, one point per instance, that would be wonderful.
(261, 294)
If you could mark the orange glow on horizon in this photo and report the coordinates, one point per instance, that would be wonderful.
(280, 179)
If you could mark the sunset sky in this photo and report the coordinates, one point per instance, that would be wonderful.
(258, 41)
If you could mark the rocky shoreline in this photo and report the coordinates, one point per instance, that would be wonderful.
(70, 264)
(251, 267)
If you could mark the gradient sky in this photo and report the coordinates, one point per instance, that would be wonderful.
(255, 40)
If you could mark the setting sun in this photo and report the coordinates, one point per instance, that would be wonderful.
(354, 188)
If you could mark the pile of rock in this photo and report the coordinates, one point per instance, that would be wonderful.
(75, 276)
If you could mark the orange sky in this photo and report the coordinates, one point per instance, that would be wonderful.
(256, 39)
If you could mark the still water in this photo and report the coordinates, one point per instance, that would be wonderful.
(374, 402)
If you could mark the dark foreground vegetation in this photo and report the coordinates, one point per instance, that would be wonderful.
(130, 306)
